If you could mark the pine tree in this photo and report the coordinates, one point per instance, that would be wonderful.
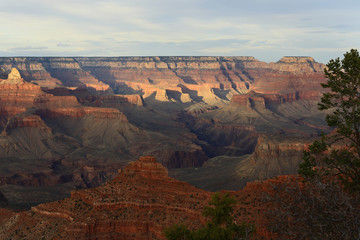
(343, 100)
(220, 227)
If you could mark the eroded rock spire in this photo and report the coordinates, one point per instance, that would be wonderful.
(14, 77)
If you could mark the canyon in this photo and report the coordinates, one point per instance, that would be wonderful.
(216, 122)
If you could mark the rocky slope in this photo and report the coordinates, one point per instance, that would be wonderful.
(137, 204)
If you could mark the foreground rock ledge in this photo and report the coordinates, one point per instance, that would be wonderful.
(137, 204)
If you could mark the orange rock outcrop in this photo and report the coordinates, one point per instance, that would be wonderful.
(16, 92)
(17, 95)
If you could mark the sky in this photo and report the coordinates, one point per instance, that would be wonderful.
(265, 29)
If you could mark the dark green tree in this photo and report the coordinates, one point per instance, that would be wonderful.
(327, 204)
(221, 225)
(339, 154)
(220, 209)
(178, 232)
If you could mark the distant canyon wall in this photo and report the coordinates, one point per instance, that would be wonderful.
(177, 79)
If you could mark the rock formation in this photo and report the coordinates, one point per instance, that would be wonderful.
(16, 92)
(14, 77)
(265, 100)
(25, 121)
(137, 204)
(80, 112)
(273, 157)
(180, 79)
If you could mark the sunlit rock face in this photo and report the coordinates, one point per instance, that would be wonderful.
(212, 80)
(14, 77)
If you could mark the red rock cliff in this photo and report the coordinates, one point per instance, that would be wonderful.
(180, 79)
(137, 204)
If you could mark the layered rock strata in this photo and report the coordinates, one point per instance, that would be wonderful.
(264, 100)
(137, 204)
(39, 129)
(273, 157)
(176, 79)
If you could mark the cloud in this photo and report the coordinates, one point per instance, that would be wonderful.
(179, 27)
(63, 45)
(27, 48)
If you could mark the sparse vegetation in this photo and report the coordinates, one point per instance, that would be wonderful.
(221, 224)
(313, 210)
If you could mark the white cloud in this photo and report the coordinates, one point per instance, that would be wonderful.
(187, 27)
